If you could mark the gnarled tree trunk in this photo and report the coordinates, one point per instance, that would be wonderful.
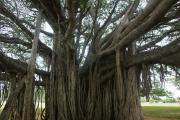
(63, 80)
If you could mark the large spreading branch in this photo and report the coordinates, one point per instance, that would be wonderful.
(33, 27)
(141, 24)
(16, 66)
(45, 50)
(13, 40)
(154, 56)
(10, 76)
(158, 39)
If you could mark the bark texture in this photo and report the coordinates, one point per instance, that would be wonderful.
(28, 107)
(94, 71)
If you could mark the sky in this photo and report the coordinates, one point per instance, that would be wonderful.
(170, 87)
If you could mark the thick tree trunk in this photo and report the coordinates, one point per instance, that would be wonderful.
(73, 97)
(63, 81)
(132, 108)
(115, 99)
(19, 108)
(128, 87)
(16, 113)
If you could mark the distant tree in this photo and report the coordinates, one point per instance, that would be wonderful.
(176, 82)
(156, 93)
(178, 99)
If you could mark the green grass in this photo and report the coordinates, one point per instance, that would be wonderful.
(172, 113)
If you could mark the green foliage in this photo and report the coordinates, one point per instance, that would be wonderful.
(160, 92)
(157, 92)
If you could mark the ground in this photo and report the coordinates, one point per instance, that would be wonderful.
(161, 111)
(152, 118)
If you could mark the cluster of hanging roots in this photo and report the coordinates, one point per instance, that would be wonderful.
(12, 110)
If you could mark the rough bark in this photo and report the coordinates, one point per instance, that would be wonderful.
(108, 89)
(28, 97)
(63, 81)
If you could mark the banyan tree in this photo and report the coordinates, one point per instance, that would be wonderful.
(84, 59)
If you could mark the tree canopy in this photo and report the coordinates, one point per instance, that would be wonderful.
(100, 54)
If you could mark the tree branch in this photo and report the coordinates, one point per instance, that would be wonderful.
(134, 30)
(17, 66)
(43, 48)
(152, 43)
(154, 56)
(33, 27)
(12, 40)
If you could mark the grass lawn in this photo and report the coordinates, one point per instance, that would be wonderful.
(170, 112)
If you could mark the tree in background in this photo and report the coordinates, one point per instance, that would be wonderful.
(177, 82)
(176, 79)
(156, 91)
(96, 60)
(160, 92)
